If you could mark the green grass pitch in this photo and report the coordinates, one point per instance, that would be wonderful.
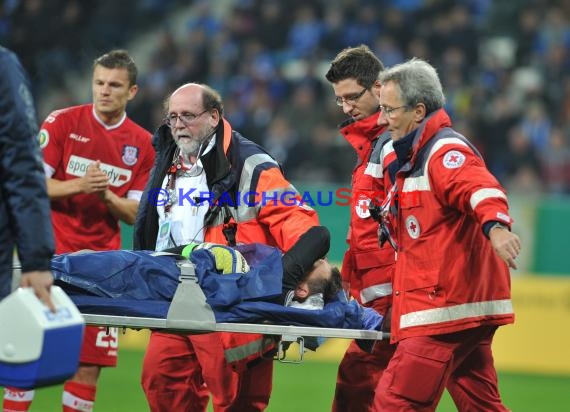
(304, 387)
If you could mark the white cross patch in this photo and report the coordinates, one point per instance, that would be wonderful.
(361, 207)
(413, 227)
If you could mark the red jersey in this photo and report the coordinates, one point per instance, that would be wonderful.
(72, 139)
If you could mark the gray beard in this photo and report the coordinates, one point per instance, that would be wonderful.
(190, 148)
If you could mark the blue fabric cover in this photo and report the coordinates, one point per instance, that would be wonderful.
(136, 283)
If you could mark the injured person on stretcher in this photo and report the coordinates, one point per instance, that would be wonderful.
(251, 283)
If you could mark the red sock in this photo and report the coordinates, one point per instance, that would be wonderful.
(78, 397)
(17, 400)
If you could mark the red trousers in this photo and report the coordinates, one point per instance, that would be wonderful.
(180, 371)
(422, 367)
(358, 376)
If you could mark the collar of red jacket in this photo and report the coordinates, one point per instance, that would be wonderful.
(362, 133)
(428, 129)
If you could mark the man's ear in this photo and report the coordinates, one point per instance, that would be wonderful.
(302, 290)
(376, 86)
(419, 112)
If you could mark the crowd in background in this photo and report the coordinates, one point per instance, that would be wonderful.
(505, 67)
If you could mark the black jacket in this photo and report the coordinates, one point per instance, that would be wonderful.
(24, 205)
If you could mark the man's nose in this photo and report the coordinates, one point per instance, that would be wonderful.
(382, 120)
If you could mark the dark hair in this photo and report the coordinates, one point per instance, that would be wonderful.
(357, 63)
(211, 99)
(118, 59)
(334, 285)
(328, 287)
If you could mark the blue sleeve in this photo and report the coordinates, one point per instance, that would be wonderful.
(22, 180)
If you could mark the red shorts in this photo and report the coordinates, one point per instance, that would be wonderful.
(100, 345)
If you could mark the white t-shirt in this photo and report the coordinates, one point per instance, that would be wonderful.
(187, 213)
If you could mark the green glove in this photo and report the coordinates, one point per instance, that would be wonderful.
(227, 260)
(188, 249)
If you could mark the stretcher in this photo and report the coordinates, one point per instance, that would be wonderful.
(175, 298)
(189, 313)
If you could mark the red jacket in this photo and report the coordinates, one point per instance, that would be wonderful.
(366, 267)
(447, 277)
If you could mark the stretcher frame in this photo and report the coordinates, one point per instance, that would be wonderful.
(189, 298)
(286, 334)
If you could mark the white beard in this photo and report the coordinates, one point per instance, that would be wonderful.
(188, 147)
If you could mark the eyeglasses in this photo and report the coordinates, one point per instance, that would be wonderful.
(389, 111)
(185, 118)
(350, 99)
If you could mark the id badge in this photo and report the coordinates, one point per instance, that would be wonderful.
(163, 238)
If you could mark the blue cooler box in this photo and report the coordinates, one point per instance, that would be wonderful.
(38, 347)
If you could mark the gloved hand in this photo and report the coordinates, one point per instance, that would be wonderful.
(372, 320)
(227, 260)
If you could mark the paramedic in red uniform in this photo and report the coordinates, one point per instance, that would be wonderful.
(211, 184)
(451, 229)
(97, 162)
(366, 266)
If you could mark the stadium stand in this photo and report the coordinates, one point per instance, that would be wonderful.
(505, 68)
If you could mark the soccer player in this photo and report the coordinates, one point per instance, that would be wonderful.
(97, 162)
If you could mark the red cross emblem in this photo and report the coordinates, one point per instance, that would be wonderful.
(413, 227)
(362, 208)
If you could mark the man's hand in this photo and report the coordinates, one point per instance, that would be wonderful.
(506, 244)
(95, 180)
(227, 260)
(371, 320)
(41, 282)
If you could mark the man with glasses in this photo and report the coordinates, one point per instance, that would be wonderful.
(366, 267)
(97, 162)
(210, 184)
(454, 247)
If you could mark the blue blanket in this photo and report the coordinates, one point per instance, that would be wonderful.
(142, 284)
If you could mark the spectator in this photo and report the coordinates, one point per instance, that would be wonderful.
(555, 164)
(492, 41)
